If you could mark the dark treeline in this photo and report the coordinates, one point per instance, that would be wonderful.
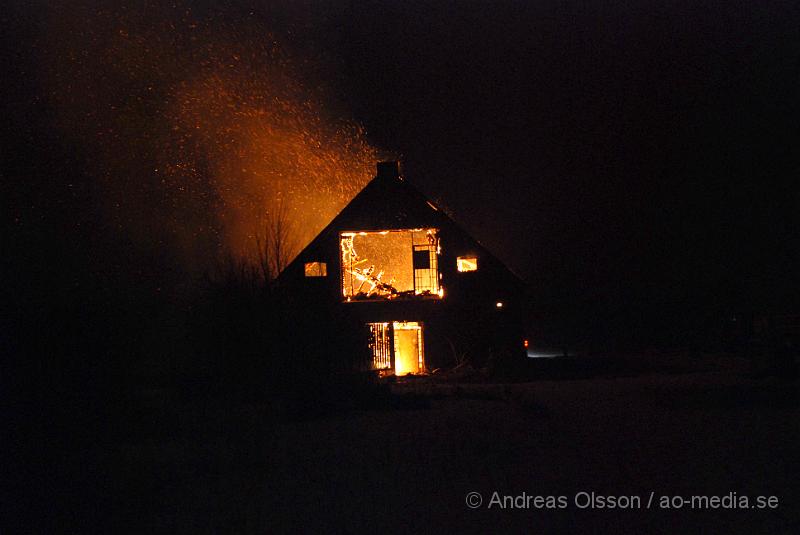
(94, 326)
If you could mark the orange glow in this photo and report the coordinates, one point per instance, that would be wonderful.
(390, 264)
(499, 304)
(467, 263)
(277, 151)
(525, 344)
(397, 347)
(381, 346)
(316, 269)
(408, 348)
(195, 129)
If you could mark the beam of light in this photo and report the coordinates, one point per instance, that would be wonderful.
(544, 353)
(195, 128)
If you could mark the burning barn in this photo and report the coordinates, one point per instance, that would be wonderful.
(424, 293)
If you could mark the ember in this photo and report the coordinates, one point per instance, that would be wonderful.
(197, 129)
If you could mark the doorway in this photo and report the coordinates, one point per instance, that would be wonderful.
(397, 347)
(408, 348)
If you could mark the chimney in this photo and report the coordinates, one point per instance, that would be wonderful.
(389, 170)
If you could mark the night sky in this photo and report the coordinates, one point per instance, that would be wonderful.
(618, 156)
(598, 148)
(636, 163)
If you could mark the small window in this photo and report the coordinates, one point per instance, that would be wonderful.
(422, 257)
(316, 269)
(467, 263)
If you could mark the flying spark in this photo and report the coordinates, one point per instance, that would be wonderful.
(196, 128)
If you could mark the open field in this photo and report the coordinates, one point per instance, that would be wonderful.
(411, 467)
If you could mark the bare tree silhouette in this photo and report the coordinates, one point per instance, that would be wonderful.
(278, 244)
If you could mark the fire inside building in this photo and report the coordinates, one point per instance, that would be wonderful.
(424, 293)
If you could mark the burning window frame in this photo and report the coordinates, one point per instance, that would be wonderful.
(388, 354)
(362, 281)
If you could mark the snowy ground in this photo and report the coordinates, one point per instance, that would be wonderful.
(707, 433)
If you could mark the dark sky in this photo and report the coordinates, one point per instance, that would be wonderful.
(611, 144)
(608, 152)
(583, 129)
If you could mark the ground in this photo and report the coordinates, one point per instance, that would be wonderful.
(410, 468)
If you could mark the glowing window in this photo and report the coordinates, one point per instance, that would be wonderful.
(316, 269)
(467, 263)
(390, 264)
